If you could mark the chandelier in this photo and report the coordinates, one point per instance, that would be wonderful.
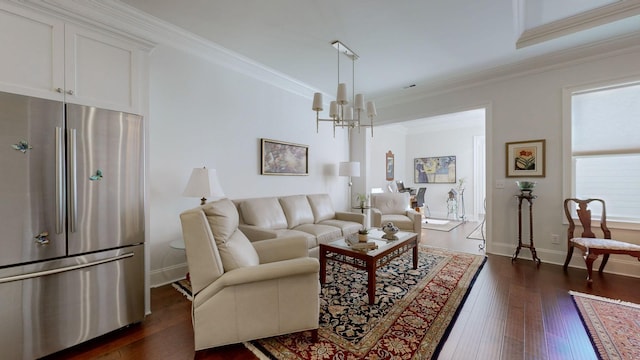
(341, 113)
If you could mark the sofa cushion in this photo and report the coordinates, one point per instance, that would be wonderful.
(322, 207)
(347, 227)
(234, 247)
(323, 233)
(297, 210)
(391, 203)
(264, 212)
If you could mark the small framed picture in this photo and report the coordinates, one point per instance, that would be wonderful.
(526, 158)
(389, 160)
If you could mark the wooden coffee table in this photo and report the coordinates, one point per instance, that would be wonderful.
(371, 260)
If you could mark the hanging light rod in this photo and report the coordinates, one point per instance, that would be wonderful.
(340, 113)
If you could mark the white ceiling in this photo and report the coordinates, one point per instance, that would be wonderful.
(400, 43)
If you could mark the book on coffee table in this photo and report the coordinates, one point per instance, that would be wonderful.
(357, 245)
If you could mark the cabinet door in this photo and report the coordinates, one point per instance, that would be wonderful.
(32, 53)
(100, 70)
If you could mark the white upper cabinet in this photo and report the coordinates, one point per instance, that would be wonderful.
(47, 58)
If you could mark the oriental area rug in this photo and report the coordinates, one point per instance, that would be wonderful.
(613, 325)
(412, 316)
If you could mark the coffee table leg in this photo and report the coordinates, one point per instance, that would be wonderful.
(415, 256)
(371, 281)
(323, 265)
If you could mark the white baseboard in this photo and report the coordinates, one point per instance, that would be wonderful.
(167, 275)
(618, 264)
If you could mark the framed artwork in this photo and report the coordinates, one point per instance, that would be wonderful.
(283, 158)
(526, 158)
(389, 161)
(435, 170)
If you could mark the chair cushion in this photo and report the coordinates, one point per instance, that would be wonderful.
(596, 243)
(401, 221)
(391, 203)
(234, 247)
(297, 210)
(322, 207)
(264, 212)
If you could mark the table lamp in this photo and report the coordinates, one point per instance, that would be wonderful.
(203, 183)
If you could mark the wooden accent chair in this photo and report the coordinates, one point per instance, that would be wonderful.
(590, 245)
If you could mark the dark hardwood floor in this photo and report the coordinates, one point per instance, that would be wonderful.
(514, 311)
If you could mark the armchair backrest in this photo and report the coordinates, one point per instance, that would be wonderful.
(583, 209)
(205, 264)
(420, 196)
(213, 242)
(391, 203)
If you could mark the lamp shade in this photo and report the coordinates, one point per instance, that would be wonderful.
(351, 168)
(317, 102)
(203, 183)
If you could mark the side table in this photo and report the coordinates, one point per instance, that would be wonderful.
(526, 195)
(178, 244)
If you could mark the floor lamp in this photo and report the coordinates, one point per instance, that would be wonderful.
(350, 169)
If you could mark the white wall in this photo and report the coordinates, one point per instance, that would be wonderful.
(205, 114)
(526, 107)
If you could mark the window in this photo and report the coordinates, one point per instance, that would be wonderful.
(605, 148)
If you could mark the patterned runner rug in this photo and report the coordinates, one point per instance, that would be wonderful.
(413, 313)
(613, 325)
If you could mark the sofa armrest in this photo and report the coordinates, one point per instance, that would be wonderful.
(255, 233)
(260, 273)
(376, 217)
(284, 248)
(349, 216)
(416, 217)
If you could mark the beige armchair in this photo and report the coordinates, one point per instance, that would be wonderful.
(242, 290)
(394, 207)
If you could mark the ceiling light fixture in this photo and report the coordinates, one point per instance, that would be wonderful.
(340, 113)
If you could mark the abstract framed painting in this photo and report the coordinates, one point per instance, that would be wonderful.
(525, 158)
(435, 170)
(283, 158)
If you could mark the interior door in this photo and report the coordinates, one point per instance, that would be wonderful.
(106, 179)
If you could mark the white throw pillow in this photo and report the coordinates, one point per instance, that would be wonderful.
(234, 247)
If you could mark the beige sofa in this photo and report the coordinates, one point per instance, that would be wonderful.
(310, 216)
(246, 290)
(394, 207)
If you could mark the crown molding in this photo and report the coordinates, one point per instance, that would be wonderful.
(124, 20)
(585, 20)
(585, 53)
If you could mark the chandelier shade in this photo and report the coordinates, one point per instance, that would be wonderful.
(340, 113)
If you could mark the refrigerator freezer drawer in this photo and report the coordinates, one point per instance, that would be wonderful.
(50, 306)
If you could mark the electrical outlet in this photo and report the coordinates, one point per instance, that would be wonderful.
(499, 184)
(555, 239)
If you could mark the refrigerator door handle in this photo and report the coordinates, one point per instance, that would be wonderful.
(59, 175)
(63, 269)
(72, 181)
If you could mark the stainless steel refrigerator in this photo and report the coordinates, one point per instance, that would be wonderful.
(71, 224)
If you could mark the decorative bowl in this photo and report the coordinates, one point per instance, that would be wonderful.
(526, 185)
(390, 231)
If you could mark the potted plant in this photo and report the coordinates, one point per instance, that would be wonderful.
(362, 235)
(362, 200)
